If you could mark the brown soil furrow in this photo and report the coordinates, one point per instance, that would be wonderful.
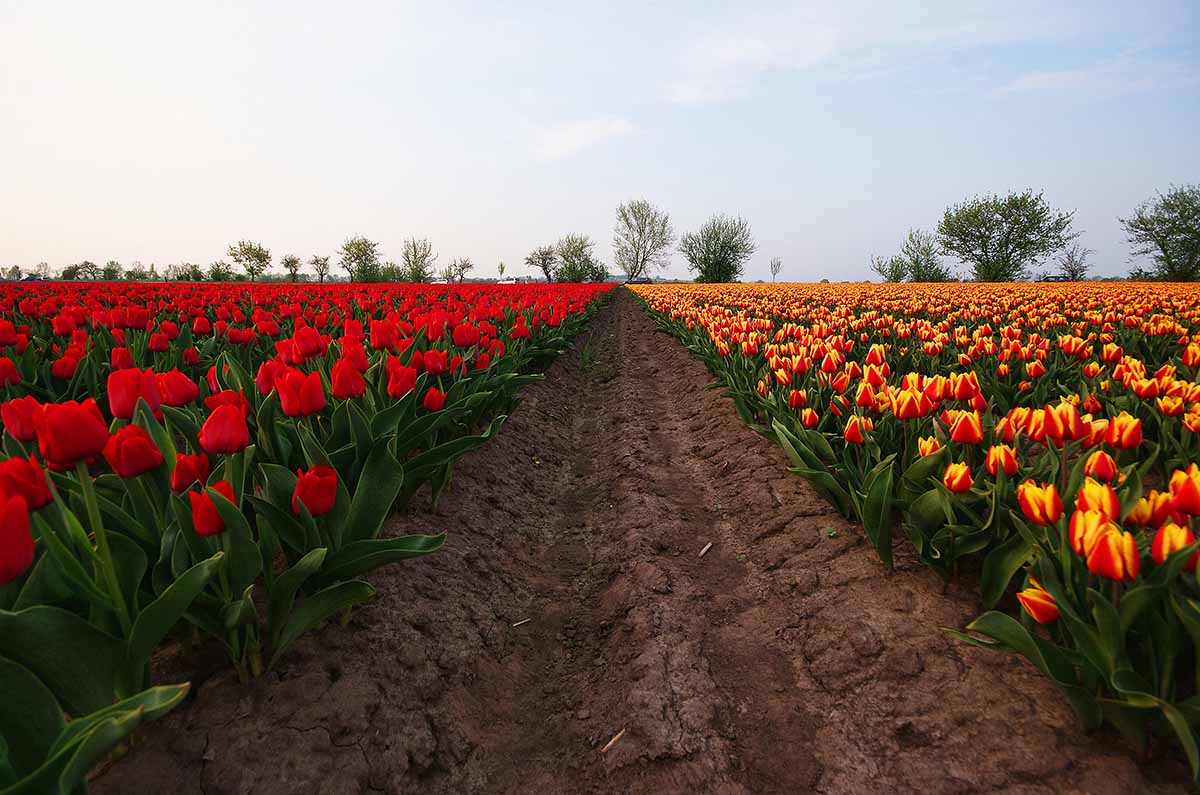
(786, 659)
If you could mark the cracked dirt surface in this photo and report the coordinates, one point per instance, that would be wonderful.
(786, 659)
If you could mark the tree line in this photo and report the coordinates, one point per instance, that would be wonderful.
(995, 239)
(1003, 238)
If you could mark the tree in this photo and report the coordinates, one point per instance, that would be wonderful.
(220, 271)
(111, 271)
(292, 264)
(1167, 228)
(544, 259)
(500, 269)
(642, 238)
(70, 273)
(577, 262)
(320, 266)
(189, 272)
(360, 259)
(42, 269)
(254, 258)
(890, 269)
(776, 266)
(390, 272)
(719, 250)
(1072, 263)
(136, 272)
(458, 268)
(419, 260)
(13, 274)
(1001, 238)
(921, 259)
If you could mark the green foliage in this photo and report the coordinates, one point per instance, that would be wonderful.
(359, 257)
(292, 264)
(1167, 229)
(418, 260)
(254, 258)
(719, 249)
(112, 271)
(577, 261)
(220, 271)
(920, 256)
(1000, 238)
(890, 269)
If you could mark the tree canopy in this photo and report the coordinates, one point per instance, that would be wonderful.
(642, 238)
(1000, 238)
(719, 249)
(1167, 229)
(254, 258)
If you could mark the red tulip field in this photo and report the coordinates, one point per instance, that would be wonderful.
(584, 538)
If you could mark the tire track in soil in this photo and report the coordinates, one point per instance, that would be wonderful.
(784, 660)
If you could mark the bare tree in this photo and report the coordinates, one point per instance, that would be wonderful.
(776, 267)
(292, 264)
(320, 266)
(544, 259)
(642, 238)
(457, 270)
(253, 257)
(1073, 264)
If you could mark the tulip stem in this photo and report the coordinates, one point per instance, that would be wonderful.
(106, 559)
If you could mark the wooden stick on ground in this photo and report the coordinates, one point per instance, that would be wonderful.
(707, 547)
(613, 741)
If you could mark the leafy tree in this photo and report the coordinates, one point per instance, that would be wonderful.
(890, 269)
(577, 261)
(136, 272)
(360, 259)
(70, 273)
(719, 249)
(500, 269)
(292, 264)
(419, 260)
(642, 238)
(320, 266)
(42, 269)
(921, 259)
(1002, 237)
(111, 271)
(1167, 228)
(544, 259)
(1073, 264)
(220, 271)
(776, 267)
(254, 258)
(391, 272)
(13, 274)
(189, 272)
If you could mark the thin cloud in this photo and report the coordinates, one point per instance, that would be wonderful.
(1127, 73)
(564, 139)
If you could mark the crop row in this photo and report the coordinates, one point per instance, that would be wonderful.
(190, 461)
(1048, 435)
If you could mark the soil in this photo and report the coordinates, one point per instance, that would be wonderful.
(785, 659)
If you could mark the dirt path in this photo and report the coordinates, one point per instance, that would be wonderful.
(784, 660)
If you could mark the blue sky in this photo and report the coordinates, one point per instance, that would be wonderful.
(161, 132)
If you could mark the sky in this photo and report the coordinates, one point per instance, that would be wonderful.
(162, 132)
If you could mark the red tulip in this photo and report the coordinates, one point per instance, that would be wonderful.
(131, 452)
(347, 381)
(70, 432)
(17, 415)
(958, 478)
(16, 541)
(1185, 490)
(1172, 538)
(300, 395)
(228, 398)
(316, 489)
(434, 361)
(126, 386)
(23, 477)
(1115, 557)
(121, 358)
(1040, 504)
(9, 375)
(434, 399)
(189, 469)
(401, 379)
(1038, 603)
(206, 519)
(225, 431)
(176, 389)
(1001, 456)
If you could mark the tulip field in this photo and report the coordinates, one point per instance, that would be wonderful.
(185, 462)
(1040, 440)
